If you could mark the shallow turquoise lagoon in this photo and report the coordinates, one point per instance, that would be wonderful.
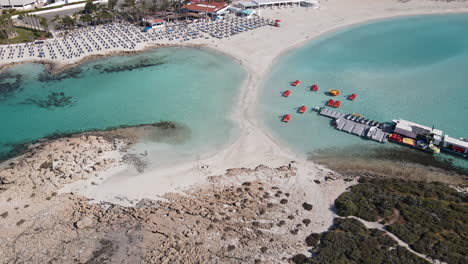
(414, 68)
(193, 87)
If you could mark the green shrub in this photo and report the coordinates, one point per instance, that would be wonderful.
(433, 217)
(349, 241)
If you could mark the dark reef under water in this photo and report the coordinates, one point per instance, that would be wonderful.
(102, 67)
(74, 72)
(141, 64)
(9, 84)
(53, 100)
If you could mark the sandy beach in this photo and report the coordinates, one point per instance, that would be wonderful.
(256, 51)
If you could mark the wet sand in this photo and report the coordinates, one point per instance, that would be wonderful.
(394, 162)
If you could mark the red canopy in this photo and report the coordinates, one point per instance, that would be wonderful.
(277, 20)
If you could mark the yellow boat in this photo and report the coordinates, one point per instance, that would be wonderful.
(409, 141)
(334, 92)
(434, 149)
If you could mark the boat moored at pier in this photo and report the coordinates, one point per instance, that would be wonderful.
(401, 131)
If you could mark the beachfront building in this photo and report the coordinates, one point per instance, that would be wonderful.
(204, 7)
(270, 3)
(154, 22)
(17, 4)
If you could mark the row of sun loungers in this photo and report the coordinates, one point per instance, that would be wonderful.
(122, 36)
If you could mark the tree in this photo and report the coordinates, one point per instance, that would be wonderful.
(44, 24)
(129, 3)
(86, 18)
(111, 4)
(68, 22)
(65, 22)
(90, 7)
(6, 26)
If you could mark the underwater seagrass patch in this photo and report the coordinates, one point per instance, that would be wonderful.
(53, 100)
(9, 84)
(130, 66)
(74, 72)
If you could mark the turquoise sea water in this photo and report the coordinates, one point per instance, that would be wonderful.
(414, 68)
(193, 87)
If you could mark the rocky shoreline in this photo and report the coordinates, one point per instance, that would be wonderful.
(259, 215)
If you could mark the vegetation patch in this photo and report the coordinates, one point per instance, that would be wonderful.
(24, 35)
(431, 217)
(349, 241)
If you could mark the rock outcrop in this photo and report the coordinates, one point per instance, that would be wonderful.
(52, 164)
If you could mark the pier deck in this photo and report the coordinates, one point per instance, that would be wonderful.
(353, 127)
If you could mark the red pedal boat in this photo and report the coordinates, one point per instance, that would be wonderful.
(337, 104)
(286, 93)
(352, 97)
(330, 102)
(302, 109)
(314, 88)
(296, 83)
(286, 118)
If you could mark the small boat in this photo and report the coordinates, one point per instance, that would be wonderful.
(337, 104)
(286, 93)
(314, 88)
(422, 144)
(408, 141)
(296, 83)
(395, 137)
(330, 102)
(334, 92)
(352, 97)
(434, 149)
(302, 109)
(286, 118)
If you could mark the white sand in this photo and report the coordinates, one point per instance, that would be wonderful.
(257, 51)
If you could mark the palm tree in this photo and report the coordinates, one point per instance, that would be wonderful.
(44, 24)
(6, 26)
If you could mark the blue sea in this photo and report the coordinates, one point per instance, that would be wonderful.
(414, 68)
(193, 87)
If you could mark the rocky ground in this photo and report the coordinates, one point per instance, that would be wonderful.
(259, 215)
